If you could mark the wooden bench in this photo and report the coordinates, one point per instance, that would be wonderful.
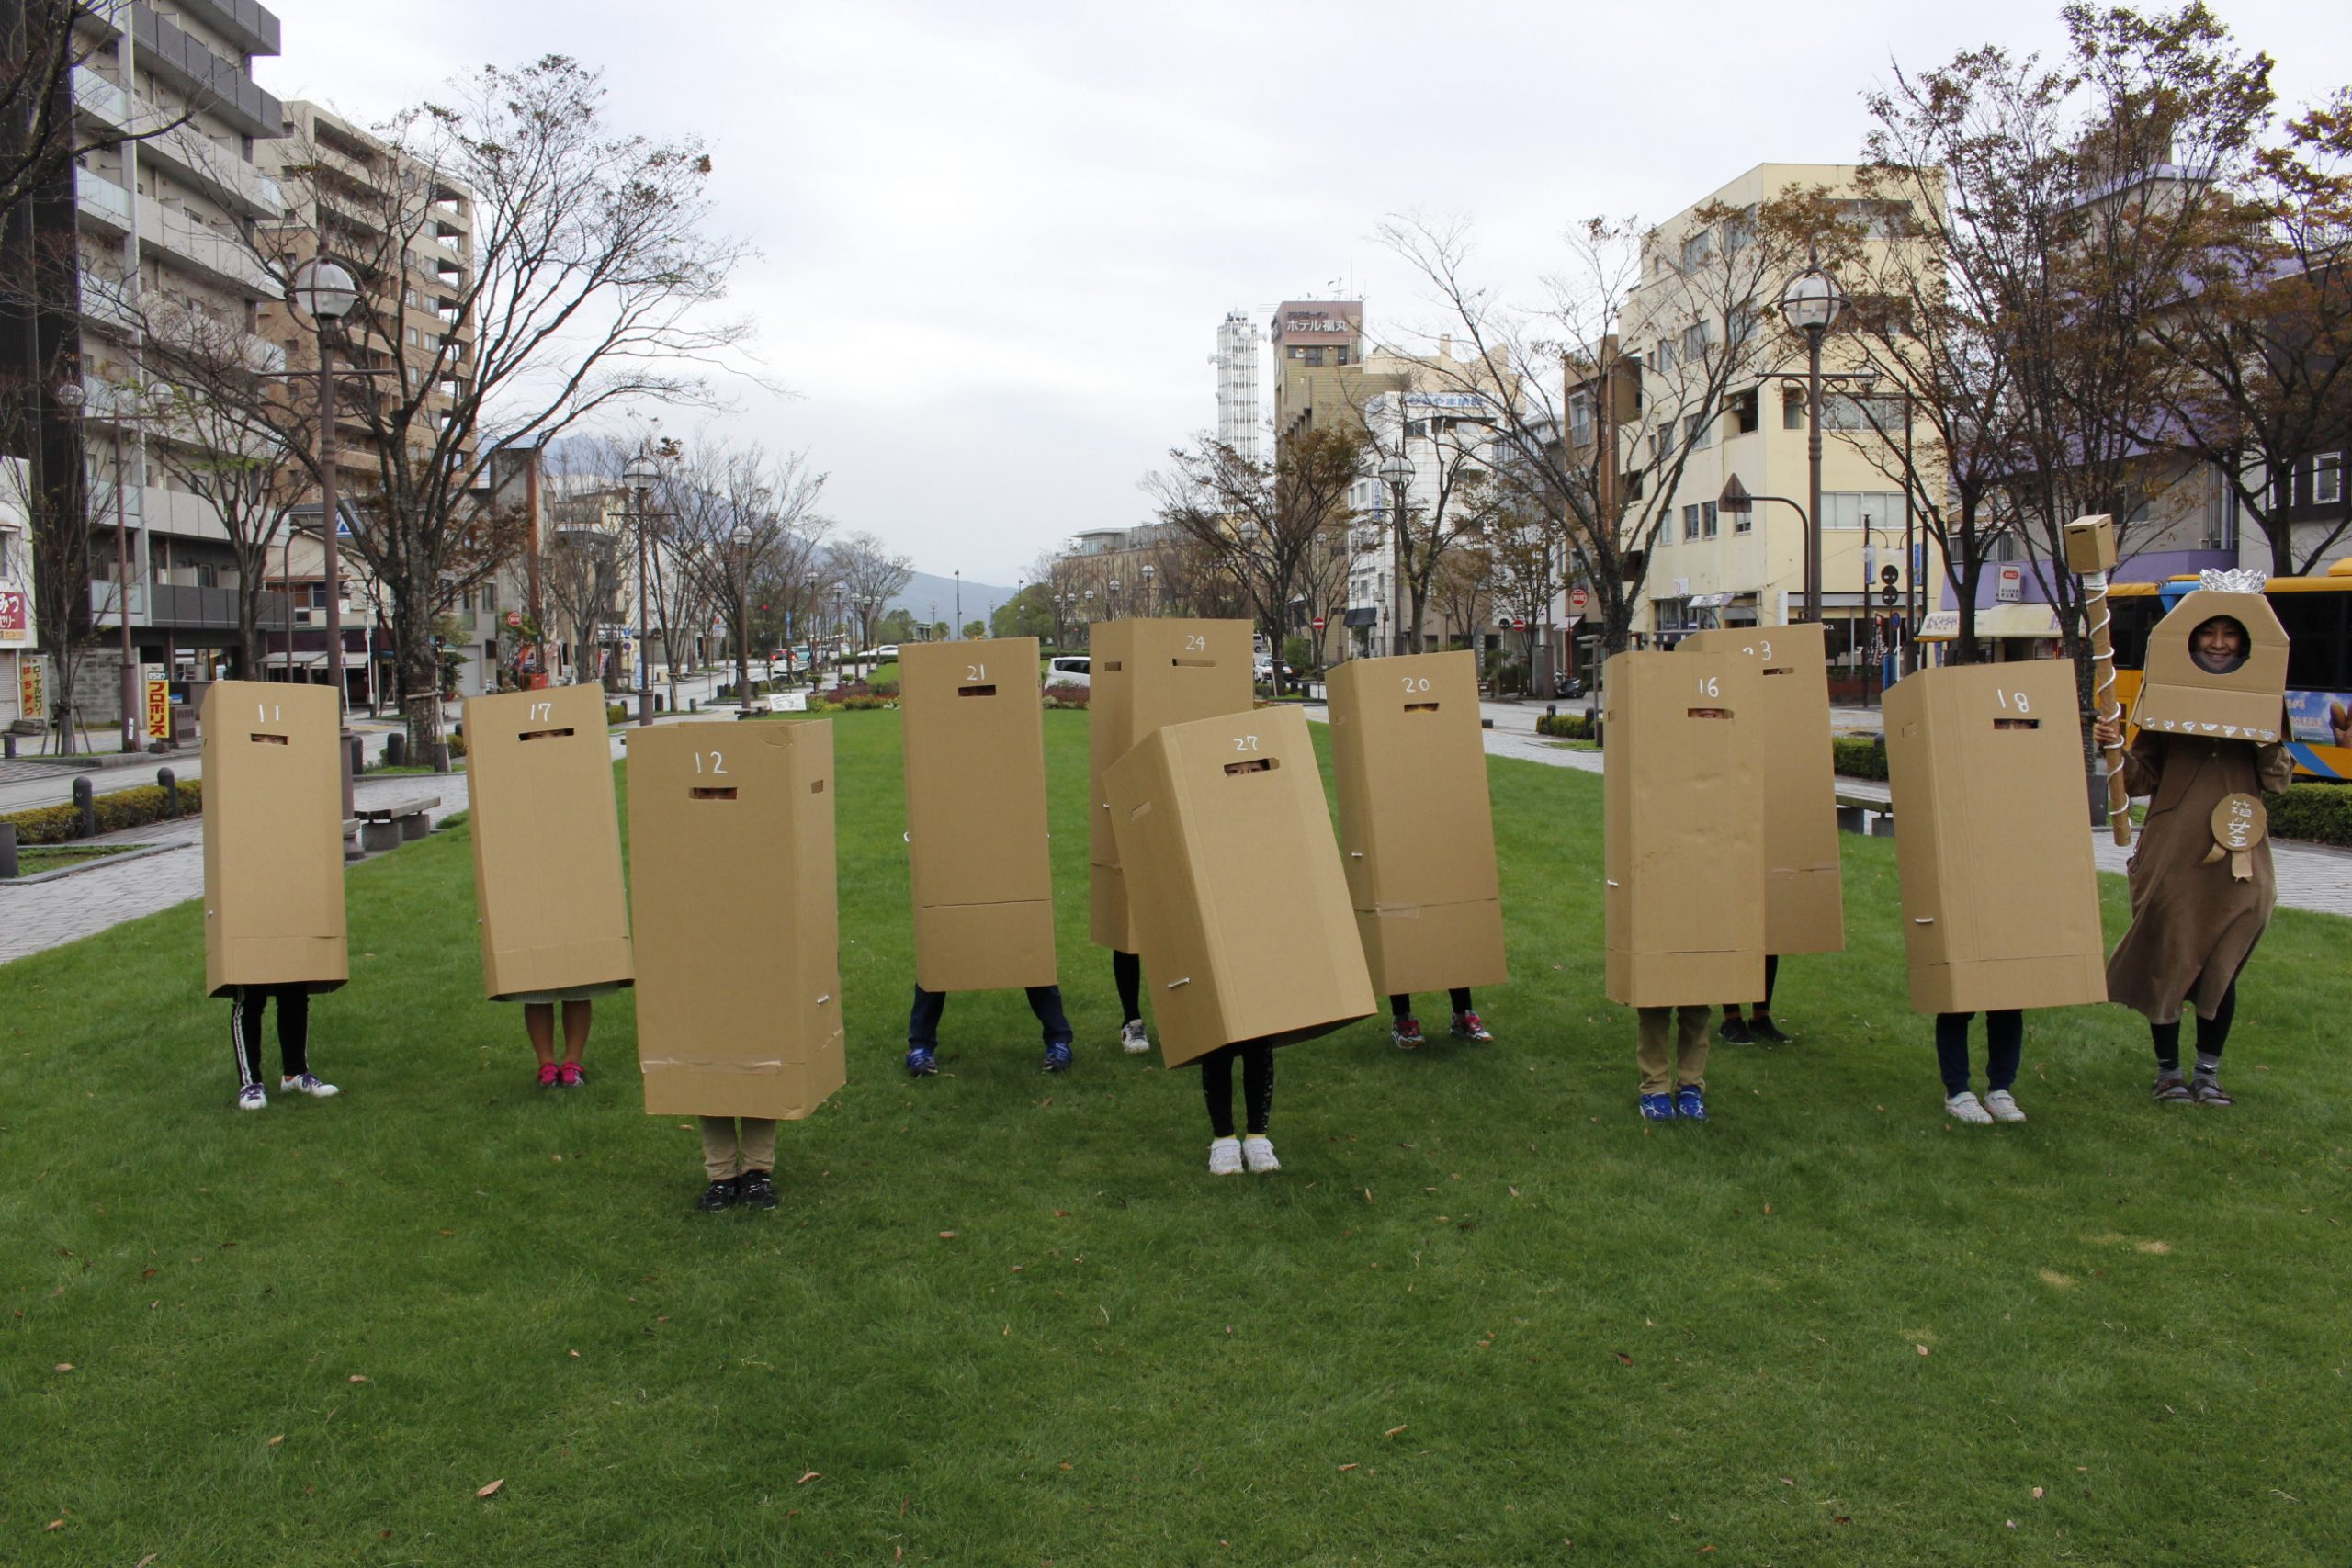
(1866, 814)
(387, 825)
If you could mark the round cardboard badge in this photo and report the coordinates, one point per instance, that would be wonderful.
(2239, 822)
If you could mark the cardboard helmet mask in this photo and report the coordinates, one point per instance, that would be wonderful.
(2193, 685)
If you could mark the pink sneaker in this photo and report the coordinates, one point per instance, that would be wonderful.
(547, 1075)
(571, 1077)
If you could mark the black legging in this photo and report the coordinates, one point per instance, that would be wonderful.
(1257, 1085)
(1401, 1004)
(2004, 1048)
(2212, 1033)
(1127, 971)
(1771, 973)
(293, 1029)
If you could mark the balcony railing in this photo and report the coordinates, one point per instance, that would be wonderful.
(101, 201)
(226, 90)
(185, 608)
(222, 258)
(101, 99)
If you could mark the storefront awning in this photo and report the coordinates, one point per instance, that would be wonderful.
(1991, 621)
(1709, 600)
(1362, 617)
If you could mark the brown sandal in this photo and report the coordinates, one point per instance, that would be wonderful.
(2208, 1091)
(2170, 1087)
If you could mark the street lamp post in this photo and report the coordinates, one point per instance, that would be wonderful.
(71, 396)
(1150, 593)
(1088, 619)
(1397, 473)
(638, 474)
(1810, 305)
(1111, 604)
(323, 290)
(742, 537)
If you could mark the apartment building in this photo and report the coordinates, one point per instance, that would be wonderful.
(133, 235)
(1709, 567)
(406, 234)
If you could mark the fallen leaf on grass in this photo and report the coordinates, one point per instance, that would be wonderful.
(947, 1236)
(1703, 1551)
(1843, 1520)
(1392, 1431)
(276, 1440)
(490, 1490)
(1066, 1465)
(1343, 1470)
(1061, 1213)
(54, 1525)
(1786, 1481)
(1768, 1208)
(2037, 1493)
(357, 1378)
(574, 1354)
(1624, 1358)
(146, 1560)
(64, 1366)
(805, 1480)
(2011, 1523)
(2158, 1247)
(1921, 1349)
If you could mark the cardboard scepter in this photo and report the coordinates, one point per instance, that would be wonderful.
(2090, 551)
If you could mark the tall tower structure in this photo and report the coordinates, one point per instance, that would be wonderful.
(1237, 384)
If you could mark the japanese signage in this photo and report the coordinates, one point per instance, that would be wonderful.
(32, 692)
(16, 617)
(159, 701)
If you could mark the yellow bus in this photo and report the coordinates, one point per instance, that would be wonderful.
(2317, 614)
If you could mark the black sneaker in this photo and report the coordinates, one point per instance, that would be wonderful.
(1734, 1029)
(756, 1190)
(1761, 1027)
(717, 1196)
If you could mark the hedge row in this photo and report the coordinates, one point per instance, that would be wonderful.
(2319, 812)
(123, 808)
(1858, 758)
(1566, 726)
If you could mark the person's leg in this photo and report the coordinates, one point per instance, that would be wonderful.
(1691, 1047)
(1771, 978)
(577, 1016)
(1257, 1086)
(755, 1157)
(1467, 1024)
(1460, 997)
(539, 1021)
(2165, 1038)
(1401, 1005)
(2004, 1047)
(721, 1151)
(294, 1030)
(1759, 1017)
(922, 1031)
(1404, 1029)
(1127, 973)
(1046, 1001)
(1651, 1027)
(1951, 1051)
(244, 1042)
(2212, 1033)
(1217, 1090)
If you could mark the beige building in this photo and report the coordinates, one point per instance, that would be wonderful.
(1709, 567)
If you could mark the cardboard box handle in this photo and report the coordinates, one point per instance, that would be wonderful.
(1254, 765)
(1174, 984)
(975, 691)
(1420, 707)
(1923, 920)
(1113, 664)
(1138, 814)
(271, 741)
(545, 734)
(816, 786)
(711, 794)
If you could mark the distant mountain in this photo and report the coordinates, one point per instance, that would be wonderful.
(927, 590)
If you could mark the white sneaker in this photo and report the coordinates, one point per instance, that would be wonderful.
(1225, 1157)
(1964, 1107)
(2003, 1106)
(251, 1097)
(309, 1084)
(1258, 1153)
(1134, 1039)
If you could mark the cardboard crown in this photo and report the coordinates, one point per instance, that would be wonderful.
(2179, 696)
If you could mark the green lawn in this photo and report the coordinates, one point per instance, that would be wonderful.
(1484, 1312)
(34, 859)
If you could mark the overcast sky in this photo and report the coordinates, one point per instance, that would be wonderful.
(995, 240)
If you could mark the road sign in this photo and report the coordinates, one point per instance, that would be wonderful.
(1318, 623)
(1888, 594)
(1578, 598)
(514, 617)
(1519, 622)
(1888, 575)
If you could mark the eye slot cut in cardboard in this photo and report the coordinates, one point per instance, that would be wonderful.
(271, 741)
(711, 794)
(544, 734)
(1254, 765)
(975, 691)
(1420, 707)
(1189, 663)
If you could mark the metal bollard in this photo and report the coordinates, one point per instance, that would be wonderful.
(85, 803)
(169, 783)
(358, 756)
(8, 742)
(396, 749)
(8, 850)
(1551, 710)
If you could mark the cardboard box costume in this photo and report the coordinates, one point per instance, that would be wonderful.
(2179, 696)
(1804, 899)
(272, 837)
(732, 888)
(1682, 826)
(975, 765)
(547, 842)
(1148, 673)
(1239, 909)
(1417, 833)
(1992, 841)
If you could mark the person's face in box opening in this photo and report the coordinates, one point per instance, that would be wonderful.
(2219, 646)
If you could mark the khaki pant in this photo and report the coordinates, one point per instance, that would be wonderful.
(726, 1156)
(1688, 1064)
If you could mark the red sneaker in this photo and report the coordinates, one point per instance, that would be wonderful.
(569, 1075)
(1466, 1026)
(547, 1075)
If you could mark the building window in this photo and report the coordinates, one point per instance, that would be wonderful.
(1696, 428)
(11, 567)
(1697, 249)
(1691, 522)
(1694, 342)
(1342, 357)
(2327, 479)
(1707, 520)
(1740, 325)
(1742, 413)
(1791, 409)
(1581, 418)
(1744, 522)
(1844, 411)
(1662, 361)
(1847, 508)
(490, 597)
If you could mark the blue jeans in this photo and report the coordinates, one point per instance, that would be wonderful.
(1046, 1001)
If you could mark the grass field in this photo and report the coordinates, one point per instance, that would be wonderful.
(1483, 1315)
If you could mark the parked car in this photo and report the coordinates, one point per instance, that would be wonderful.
(887, 652)
(1071, 670)
(1265, 669)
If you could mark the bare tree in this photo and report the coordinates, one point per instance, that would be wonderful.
(1265, 525)
(739, 517)
(42, 43)
(870, 577)
(590, 272)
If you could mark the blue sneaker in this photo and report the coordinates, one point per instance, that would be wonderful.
(921, 1062)
(1657, 1107)
(1691, 1103)
(1058, 1057)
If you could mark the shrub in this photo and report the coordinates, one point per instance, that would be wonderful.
(885, 688)
(1567, 727)
(1064, 695)
(123, 808)
(1510, 675)
(1298, 652)
(1857, 757)
(456, 747)
(615, 713)
(2320, 812)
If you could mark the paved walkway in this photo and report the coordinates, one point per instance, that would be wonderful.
(2317, 877)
